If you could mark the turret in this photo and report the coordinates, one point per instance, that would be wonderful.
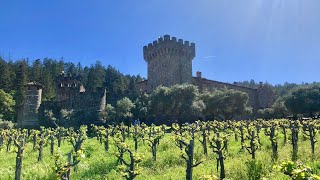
(169, 61)
(28, 116)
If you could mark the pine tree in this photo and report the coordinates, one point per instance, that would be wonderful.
(20, 81)
(5, 78)
(36, 70)
(96, 77)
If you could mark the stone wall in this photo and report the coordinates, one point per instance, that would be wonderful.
(85, 107)
(209, 85)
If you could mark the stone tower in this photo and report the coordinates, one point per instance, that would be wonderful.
(28, 116)
(169, 62)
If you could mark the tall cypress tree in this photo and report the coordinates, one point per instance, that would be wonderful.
(36, 71)
(19, 83)
(5, 78)
(96, 76)
(49, 85)
(115, 82)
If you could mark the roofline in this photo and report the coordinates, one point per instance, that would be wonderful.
(229, 84)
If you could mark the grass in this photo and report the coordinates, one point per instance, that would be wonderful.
(99, 164)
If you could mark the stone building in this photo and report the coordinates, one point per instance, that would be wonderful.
(28, 115)
(170, 62)
(71, 96)
(67, 86)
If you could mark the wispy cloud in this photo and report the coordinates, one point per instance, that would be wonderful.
(209, 57)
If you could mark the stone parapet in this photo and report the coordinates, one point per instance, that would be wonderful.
(168, 46)
(169, 62)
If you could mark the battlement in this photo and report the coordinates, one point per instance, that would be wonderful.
(167, 45)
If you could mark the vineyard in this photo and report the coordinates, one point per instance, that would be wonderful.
(275, 149)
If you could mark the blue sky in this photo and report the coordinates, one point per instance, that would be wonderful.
(264, 40)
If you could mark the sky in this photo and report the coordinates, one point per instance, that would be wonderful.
(273, 41)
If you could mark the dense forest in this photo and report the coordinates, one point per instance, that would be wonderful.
(15, 74)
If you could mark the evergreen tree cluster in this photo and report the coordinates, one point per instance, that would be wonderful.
(281, 90)
(14, 75)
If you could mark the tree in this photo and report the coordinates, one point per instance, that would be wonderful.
(48, 82)
(279, 109)
(283, 90)
(304, 100)
(210, 107)
(141, 108)
(19, 83)
(230, 103)
(5, 76)
(96, 76)
(70, 68)
(115, 84)
(132, 90)
(36, 70)
(198, 107)
(160, 101)
(177, 101)
(111, 112)
(185, 101)
(123, 108)
(6, 106)
(266, 113)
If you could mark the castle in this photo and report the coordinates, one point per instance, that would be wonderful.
(71, 96)
(170, 62)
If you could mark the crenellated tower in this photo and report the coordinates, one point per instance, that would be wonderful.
(169, 62)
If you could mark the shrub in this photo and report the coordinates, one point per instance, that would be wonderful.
(297, 170)
(254, 170)
(6, 124)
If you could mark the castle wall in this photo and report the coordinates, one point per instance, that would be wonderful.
(209, 85)
(84, 105)
(85, 101)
